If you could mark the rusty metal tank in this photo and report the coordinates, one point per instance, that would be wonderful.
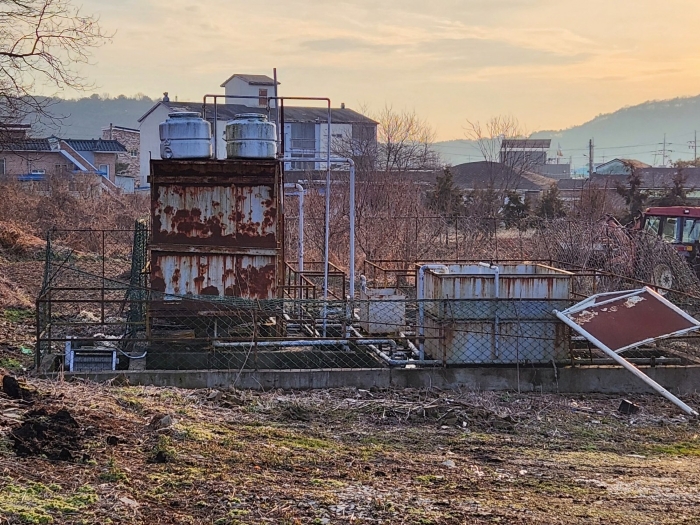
(217, 229)
(252, 136)
(184, 135)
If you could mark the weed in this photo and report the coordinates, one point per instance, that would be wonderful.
(113, 474)
(40, 504)
(17, 315)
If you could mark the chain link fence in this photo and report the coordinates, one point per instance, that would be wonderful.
(96, 311)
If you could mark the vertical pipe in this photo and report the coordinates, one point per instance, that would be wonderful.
(299, 193)
(352, 228)
(326, 242)
(277, 109)
(216, 131)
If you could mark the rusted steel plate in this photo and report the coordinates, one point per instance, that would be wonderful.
(217, 215)
(628, 320)
(247, 277)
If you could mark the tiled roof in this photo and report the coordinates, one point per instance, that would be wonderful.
(481, 175)
(97, 145)
(26, 145)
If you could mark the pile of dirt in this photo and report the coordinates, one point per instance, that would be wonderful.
(56, 435)
(17, 241)
(12, 296)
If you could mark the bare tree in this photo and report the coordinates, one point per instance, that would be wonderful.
(403, 142)
(43, 43)
(495, 142)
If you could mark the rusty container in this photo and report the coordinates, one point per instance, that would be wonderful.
(217, 229)
(468, 322)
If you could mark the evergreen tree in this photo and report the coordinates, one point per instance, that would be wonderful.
(551, 205)
(445, 198)
(634, 197)
(514, 210)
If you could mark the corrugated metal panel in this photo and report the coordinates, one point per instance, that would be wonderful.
(215, 215)
(522, 281)
(466, 324)
(217, 228)
(250, 277)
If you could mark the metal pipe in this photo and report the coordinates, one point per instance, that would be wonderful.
(387, 358)
(420, 294)
(300, 342)
(299, 193)
(626, 364)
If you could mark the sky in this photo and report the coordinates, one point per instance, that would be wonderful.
(551, 64)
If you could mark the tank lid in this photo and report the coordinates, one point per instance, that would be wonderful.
(250, 116)
(184, 114)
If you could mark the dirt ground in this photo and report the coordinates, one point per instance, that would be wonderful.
(85, 453)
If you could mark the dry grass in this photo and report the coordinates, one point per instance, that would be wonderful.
(349, 456)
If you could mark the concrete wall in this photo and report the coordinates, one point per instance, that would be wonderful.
(681, 380)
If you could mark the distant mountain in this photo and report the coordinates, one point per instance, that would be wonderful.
(633, 132)
(84, 118)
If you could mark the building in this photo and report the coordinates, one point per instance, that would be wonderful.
(128, 161)
(620, 167)
(260, 86)
(500, 177)
(305, 132)
(87, 165)
(524, 153)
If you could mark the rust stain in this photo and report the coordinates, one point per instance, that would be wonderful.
(585, 317)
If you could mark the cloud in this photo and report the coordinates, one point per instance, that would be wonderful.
(346, 44)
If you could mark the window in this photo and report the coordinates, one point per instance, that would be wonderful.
(670, 229)
(134, 153)
(262, 93)
(303, 144)
(2, 166)
(691, 230)
(651, 225)
(38, 172)
(104, 170)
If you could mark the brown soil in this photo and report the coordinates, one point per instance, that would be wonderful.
(349, 456)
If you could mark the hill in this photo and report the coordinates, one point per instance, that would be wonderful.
(632, 132)
(85, 117)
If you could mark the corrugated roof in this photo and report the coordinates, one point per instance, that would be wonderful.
(97, 145)
(254, 80)
(291, 113)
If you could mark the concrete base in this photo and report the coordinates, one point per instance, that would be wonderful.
(680, 380)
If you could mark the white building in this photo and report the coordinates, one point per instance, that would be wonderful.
(260, 86)
(305, 130)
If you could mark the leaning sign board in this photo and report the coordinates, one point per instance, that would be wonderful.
(619, 321)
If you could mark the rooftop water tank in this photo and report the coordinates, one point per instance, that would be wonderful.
(184, 135)
(251, 135)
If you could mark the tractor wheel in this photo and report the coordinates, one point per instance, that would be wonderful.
(663, 277)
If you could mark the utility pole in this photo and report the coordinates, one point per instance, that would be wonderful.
(590, 158)
(663, 155)
(695, 145)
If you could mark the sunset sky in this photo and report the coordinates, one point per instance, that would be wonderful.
(550, 63)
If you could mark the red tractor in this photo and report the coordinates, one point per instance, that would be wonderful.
(679, 226)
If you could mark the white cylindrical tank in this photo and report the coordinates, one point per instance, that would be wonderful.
(251, 135)
(184, 135)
